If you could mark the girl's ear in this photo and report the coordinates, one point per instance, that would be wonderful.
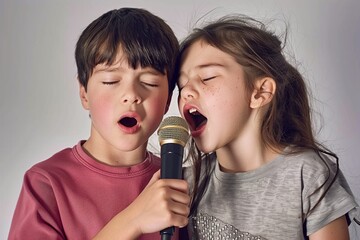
(83, 97)
(263, 92)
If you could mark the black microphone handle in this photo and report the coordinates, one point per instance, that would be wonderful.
(171, 161)
(171, 168)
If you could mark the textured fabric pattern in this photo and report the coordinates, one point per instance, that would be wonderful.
(272, 202)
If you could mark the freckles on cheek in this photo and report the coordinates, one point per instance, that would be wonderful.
(213, 91)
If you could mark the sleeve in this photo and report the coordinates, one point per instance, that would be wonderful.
(36, 214)
(321, 206)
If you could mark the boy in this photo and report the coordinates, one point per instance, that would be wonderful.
(108, 186)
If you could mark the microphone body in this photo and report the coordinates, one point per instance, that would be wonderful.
(173, 135)
(171, 161)
(171, 168)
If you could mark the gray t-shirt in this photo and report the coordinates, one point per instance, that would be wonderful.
(273, 201)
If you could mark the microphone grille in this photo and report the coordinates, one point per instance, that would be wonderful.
(173, 129)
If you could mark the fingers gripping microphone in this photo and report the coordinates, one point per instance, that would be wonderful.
(173, 134)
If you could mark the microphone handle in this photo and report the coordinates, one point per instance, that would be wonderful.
(171, 161)
(166, 234)
(171, 168)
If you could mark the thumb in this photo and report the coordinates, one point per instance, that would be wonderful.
(154, 178)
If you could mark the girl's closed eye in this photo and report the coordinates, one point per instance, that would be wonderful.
(208, 78)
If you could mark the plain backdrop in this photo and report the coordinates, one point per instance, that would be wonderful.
(41, 111)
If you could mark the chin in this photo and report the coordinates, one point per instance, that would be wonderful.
(203, 148)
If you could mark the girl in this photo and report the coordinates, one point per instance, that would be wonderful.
(258, 172)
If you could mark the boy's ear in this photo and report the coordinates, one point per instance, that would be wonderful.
(83, 97)
(263, 92)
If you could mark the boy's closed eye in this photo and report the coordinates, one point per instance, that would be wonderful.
(149, 84)
(151, 79)
(110, 82)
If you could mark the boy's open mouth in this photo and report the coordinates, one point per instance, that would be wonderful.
(195, 119)
(128, 122)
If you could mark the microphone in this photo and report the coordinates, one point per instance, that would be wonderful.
(173, 134)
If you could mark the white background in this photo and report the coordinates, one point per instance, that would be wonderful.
(40, 111)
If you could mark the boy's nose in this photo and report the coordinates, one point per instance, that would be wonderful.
(131, 99)
(131, 95)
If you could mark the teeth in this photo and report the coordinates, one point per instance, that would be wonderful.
(192, 110)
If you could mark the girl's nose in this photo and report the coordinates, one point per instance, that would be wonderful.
(188, 91)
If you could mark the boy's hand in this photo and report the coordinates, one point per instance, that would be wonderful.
(163, 203)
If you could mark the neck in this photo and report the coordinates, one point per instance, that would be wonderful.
(110, 155)
(245, 153)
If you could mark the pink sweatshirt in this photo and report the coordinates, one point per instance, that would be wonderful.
(72, 196)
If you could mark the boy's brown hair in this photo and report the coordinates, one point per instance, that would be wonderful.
(145, 39)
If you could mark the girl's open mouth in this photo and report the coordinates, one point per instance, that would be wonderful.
(194, 118)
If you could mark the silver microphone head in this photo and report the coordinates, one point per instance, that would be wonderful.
(173, 129)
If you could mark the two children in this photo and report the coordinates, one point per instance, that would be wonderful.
(108, 186)
(258, 172)
(263, 174)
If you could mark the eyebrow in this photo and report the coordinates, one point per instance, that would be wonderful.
(209, 65)
(105, 69)
(206, 65)
(150, 70)
(146, 70)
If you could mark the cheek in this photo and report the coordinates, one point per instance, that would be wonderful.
(100, 107)
(161, 100)
(225, 102)
(213, 91)
(157, 106)
(159, 109)
(215, 97)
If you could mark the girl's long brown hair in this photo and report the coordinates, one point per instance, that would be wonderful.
(287, 122)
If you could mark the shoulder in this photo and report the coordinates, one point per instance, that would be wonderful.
(58, 162)
(311, 164)
(308, 169)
